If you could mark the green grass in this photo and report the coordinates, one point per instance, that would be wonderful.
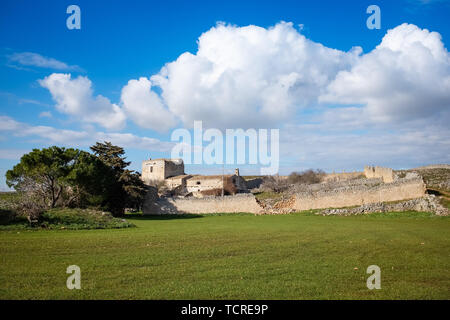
(445, 201)
(62, 218)
(297, 256)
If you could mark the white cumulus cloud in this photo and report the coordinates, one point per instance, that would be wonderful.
(406, 77)
(258, 77)
(266, 77)
(246, 76)
(145, 107)
(75, 97)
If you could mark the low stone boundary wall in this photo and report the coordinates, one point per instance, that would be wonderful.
(355, 194)
(229, 204)
(400, 190)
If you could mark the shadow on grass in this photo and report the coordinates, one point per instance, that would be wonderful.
(9, 217)
(140, 216)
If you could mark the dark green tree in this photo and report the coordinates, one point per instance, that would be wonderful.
(70, 177)
(129, 190)
(111, 155)
(61, 177)
(43, 171)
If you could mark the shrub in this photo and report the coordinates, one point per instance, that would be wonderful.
(64, 218)
(81, 219)
(281, 184)
(274, 183)
(306, 177)
(31, 208)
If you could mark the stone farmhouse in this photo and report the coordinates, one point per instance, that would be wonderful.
(171, 172)
(374, 188)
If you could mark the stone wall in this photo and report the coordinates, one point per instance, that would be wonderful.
(177, 181)
(387, 174)
(202, 183)
(229, 204)
(428, 203)
(320, 196)
(401, 189)
(342, 176)
(197, 184)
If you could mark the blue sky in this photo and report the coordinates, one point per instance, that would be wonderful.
(121, 41)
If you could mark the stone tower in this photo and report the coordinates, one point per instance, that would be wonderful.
(161, 169)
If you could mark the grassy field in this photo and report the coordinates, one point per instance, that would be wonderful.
(297, 256)
(60, 218)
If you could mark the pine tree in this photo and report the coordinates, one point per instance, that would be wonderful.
(129, 190)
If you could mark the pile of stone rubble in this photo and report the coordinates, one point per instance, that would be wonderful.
(428, 203)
